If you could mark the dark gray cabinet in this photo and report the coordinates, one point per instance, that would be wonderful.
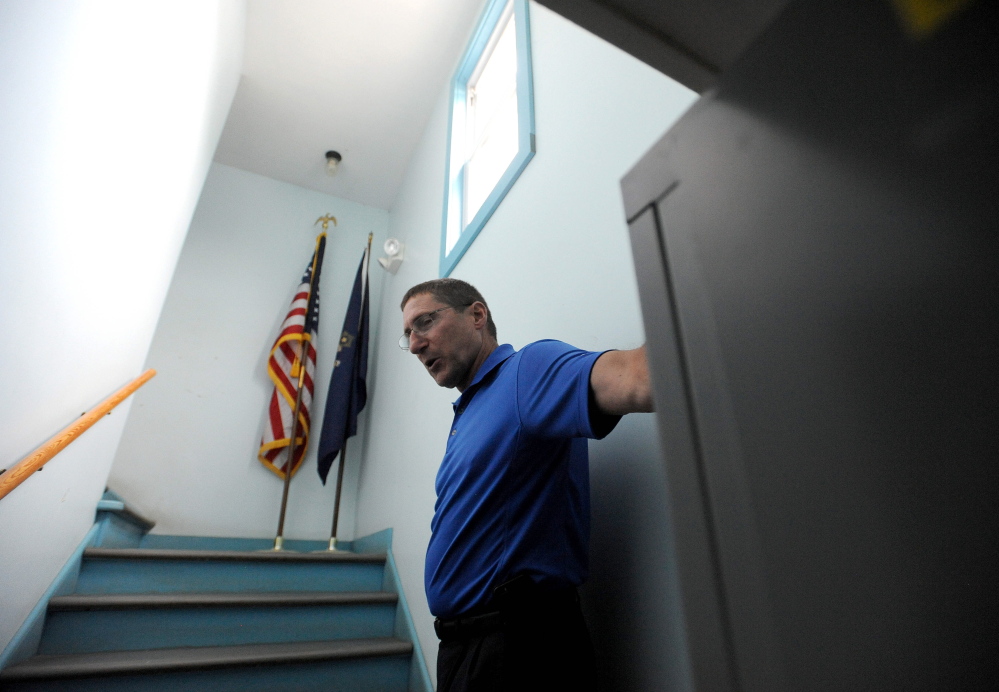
(816, 248)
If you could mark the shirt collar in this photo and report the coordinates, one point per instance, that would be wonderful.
(499, 354)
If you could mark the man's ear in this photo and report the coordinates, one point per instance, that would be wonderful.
(479, 314)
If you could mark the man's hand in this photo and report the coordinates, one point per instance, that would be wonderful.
(620, 382)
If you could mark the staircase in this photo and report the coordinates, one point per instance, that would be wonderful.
(186, 613)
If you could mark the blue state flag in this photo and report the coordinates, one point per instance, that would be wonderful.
(348, 391)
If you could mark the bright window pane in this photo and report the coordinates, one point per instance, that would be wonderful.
(491, 158)
(492, 121)
(491, 128)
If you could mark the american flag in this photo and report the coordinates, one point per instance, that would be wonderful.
(283, 367)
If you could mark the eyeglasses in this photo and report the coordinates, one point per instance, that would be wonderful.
(424, 323)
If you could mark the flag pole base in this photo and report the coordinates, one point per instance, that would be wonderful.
(278, 546)
(331, 548)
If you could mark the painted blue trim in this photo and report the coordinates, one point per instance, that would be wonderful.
(453, 182)
(405, 628)
(25, 643)
(116, 531)
(112, 495)
(380, 542)
(110, 505)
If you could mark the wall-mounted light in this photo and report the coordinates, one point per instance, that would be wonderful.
(394, 249)
(333, 160)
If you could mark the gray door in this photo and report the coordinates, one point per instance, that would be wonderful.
(816, 246)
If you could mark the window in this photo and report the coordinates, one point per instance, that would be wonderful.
(491, 128)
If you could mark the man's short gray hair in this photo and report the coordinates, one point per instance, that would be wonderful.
(454, 293)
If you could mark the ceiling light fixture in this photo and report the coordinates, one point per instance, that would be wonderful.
(333, 160)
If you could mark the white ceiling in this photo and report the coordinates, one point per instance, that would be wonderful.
(362, 76)
(358, 76)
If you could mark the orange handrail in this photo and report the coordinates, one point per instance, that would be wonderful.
(17, 474)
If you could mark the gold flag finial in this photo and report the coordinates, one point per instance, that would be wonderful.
(326, 221)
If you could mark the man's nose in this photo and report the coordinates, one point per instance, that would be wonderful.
(416, 343)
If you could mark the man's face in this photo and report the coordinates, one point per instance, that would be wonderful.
(450, 347)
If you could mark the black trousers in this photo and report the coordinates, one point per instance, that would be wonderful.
(541, 644)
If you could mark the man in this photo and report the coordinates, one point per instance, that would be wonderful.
(511, 523)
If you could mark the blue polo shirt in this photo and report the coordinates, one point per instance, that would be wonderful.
(513, 492)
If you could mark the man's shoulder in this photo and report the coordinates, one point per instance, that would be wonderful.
(553, 389)
(547, 348)
(549, 354)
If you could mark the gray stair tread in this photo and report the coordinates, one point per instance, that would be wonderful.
(200, 658)
(227, 599)
(231, 555)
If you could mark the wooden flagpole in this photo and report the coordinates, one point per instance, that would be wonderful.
(343, 450)
(279, 539)
(336, 502)
(303, 354)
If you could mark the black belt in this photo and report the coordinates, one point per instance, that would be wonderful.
(470, 626)
(519, 600)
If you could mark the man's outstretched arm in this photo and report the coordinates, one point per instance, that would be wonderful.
(620, 382)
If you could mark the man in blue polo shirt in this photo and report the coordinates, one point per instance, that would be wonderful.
(510, 532)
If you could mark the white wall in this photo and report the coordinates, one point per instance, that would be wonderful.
(109, 114)
(188, 457)
(553, 262)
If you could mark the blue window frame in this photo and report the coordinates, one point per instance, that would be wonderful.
(476, 183)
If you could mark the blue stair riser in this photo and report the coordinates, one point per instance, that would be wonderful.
(382, 674)
(72, 632)
(122, 575)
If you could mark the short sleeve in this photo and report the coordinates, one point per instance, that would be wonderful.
(553, 390)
